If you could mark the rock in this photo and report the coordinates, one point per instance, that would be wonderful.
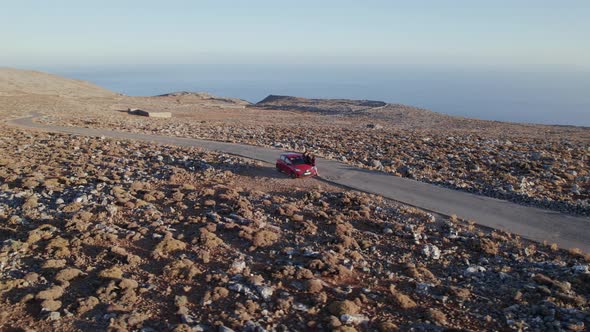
(265, 292)
(377, 164)
(473, 167)
(423, 288)
(243, 289)
(404, 170)
(375, 126)
(300, 307)
(431, 251)
(536, 156)
(575, 189)
(354, 319)
(238, 266)
(474, 269)
(251, 326)
(581, 268)
(53, 316)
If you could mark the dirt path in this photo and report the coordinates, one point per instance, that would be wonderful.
(531, 223)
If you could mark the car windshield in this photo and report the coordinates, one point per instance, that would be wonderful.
(297, 161)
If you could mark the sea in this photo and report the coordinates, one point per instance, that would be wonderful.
(526, 94)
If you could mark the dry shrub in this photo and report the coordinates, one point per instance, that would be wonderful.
(264, 238)
(485, 245)
(575, 252)
(168, 245)
(402, 300)
(209, 239)
(436, 316)
(345, 307)
(183, 268)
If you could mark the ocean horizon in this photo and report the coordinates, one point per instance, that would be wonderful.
(532, 95)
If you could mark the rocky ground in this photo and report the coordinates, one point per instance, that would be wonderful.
(100, 234)
(545, 166)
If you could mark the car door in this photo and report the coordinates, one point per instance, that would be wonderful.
(282, 164)
(287, 164)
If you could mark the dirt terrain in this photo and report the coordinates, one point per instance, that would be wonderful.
(102, 234)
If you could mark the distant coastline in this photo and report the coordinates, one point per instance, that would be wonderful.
(534, 97)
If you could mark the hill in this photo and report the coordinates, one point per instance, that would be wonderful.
(398, 114)
(186, 96)
(16, 82)
(318, 105)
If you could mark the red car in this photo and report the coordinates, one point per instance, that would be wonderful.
(294, 164)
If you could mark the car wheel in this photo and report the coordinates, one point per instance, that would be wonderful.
(293, 175)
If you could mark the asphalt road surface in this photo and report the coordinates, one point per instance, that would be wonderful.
(529, 222)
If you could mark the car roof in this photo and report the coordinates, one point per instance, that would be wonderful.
(292, 155)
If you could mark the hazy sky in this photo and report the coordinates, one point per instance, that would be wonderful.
(498, 32)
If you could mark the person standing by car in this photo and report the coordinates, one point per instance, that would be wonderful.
(312, 163)
(305, 156)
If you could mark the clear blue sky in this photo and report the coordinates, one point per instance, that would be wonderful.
(499, 32)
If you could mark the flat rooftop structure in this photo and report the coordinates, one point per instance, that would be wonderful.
(151, 114)
(229, 106)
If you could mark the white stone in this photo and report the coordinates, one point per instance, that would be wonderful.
(582, 268)
(475, 269)
(353, 319)
(431, 251)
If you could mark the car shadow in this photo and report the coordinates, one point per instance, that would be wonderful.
(263, 171)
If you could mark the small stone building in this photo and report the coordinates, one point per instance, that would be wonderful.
(151, 114)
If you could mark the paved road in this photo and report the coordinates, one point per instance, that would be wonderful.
(531, 223)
